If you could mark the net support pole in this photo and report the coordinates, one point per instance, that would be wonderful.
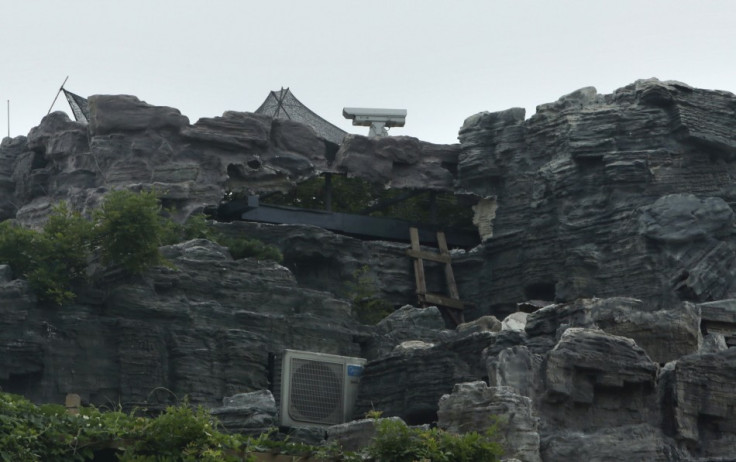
(57, 94)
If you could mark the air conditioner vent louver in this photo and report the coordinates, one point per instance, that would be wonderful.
(316, 391)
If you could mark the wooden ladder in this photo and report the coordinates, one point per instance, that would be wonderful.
(450, 305)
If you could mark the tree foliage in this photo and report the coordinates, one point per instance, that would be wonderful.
(55, 260)
(129, 230)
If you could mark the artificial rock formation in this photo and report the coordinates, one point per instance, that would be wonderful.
(607, 259)
(202, 328)
(627, 194)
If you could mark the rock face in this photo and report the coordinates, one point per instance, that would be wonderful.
(202, 328)
(474, 407)
(608, 195)
(247, 413)
(608, 251)
(131, 144)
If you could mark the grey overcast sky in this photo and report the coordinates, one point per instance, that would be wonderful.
(441, 60)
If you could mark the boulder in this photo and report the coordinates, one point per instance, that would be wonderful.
(699, 396)
(247, 413)
(352, 436)
(665, 335)
(398, 161)
(623, 444)
(516, 368)
(591, 376)
(126, 113)
(475, 407)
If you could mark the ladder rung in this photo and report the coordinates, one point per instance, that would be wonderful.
(424, 255)
(441, 300)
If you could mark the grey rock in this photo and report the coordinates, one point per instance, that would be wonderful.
(678, 218)
(719, 318)
(664, 334)
(115, 114)
(247, 413)
(410, 345)
(576, 187)
(590, 376)
(398, 161)
(624, 443)
(352, 436)
(516, 368)
(713, 343)
(487, 323)
(406, 324)
(57, 135)
(554, 319)
(700, 394)
(408, 382)
(475, 407)
(515, 321)
(202, 327)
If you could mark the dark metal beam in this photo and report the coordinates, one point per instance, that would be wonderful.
(361, 226)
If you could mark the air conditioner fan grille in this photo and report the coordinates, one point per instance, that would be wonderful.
(316, 391)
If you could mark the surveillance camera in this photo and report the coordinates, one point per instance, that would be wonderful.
(377, 119)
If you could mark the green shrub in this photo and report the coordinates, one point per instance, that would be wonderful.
(48, 433)
(396, 442)
(54, 261)
(129, 230)
(196, 227)
(17, 248)
(251, 248)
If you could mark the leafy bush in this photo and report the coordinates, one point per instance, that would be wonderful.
(129, 230)
(250, 248)
(396, 442)
(195, 227)
(17, 247)
(126, 230)
(54, 261)
(182, 433)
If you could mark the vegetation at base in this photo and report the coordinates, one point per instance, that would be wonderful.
(48, 433)
(353, 195)
(127, 230)
(396, 442)
(368, 307)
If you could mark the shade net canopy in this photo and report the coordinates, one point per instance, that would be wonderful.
(79, 106)
(282, 104)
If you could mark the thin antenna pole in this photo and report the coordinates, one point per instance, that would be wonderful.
(57, 94)
(8, 118)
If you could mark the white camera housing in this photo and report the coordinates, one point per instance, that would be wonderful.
(377, 119)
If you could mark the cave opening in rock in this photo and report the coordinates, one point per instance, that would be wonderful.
(339, 193)
(20, 384)
(541, 290)
(236, 172)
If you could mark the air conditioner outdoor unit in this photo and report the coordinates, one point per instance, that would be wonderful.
(318, 389)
